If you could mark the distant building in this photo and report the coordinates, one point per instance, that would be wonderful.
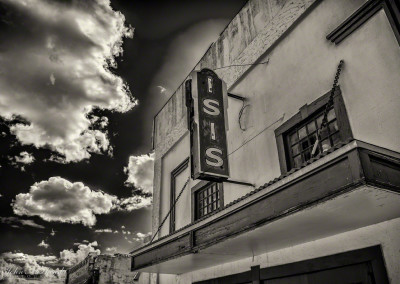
(102, 269)
(331, 216)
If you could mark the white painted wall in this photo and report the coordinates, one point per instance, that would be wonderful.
(301, 69)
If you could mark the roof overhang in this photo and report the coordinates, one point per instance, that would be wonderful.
(355, 186)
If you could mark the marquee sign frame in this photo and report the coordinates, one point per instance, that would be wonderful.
(207, 103)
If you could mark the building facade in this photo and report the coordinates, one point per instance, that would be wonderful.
(293, 210)
(103, 269)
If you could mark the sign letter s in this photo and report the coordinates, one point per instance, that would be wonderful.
(211, 107)
(216, 161)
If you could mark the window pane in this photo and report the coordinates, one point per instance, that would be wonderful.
(295, 149)
(336, 138)
(313, 138)
(311, 127)
(307, 155)
(304, 144)
(293, 138)
(331, 115)
(325, 145)
(323, 133)
(302, 132)
(297, 161)
(333, 127)
(319, 120)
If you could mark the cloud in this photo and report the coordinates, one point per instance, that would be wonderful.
(71, 257)
(103, 231)
(54, 70)
(133, 203)
(111, 250)
(22, 258)
(141, 237)
(53, 233)
(122, 227)
(13, 220)
(60, 200)
(43, 244)
(140, 172)
(16, 262)
(25, 158)
(162, 89)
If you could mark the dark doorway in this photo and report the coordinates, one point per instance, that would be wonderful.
(362, 266)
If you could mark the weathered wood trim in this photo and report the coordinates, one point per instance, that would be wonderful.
(306, 112)
(294, 196)
(370, 254)
(381, 170)
(347, 171)
(363, 14)
(178, 246)
(314, 185)
(238, 278)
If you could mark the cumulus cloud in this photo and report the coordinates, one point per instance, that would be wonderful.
(132, 203)
(111, 250)
(140, 171)
(103, 231)
(142, 237)
(43, 244)
(53, 233)
(60, 200)
(25, 158)
(71, 257)
(28, 261)
(54, 70)
(15, 220)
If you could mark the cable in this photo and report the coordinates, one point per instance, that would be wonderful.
(280, 119)
(170, 210)
(240, 115)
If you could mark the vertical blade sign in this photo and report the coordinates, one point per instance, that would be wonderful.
(206, 99)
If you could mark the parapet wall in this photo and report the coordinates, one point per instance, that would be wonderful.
(253, 31)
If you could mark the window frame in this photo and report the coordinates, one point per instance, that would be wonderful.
(305, 113)
(200, 186)
(178, 170)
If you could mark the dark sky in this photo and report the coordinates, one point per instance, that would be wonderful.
(50, 81)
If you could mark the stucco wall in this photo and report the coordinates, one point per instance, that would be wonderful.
(301, 68)
(255, 29)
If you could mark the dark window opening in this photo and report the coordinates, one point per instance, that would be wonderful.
(208, 199)
(297, 136)
(302, 138)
